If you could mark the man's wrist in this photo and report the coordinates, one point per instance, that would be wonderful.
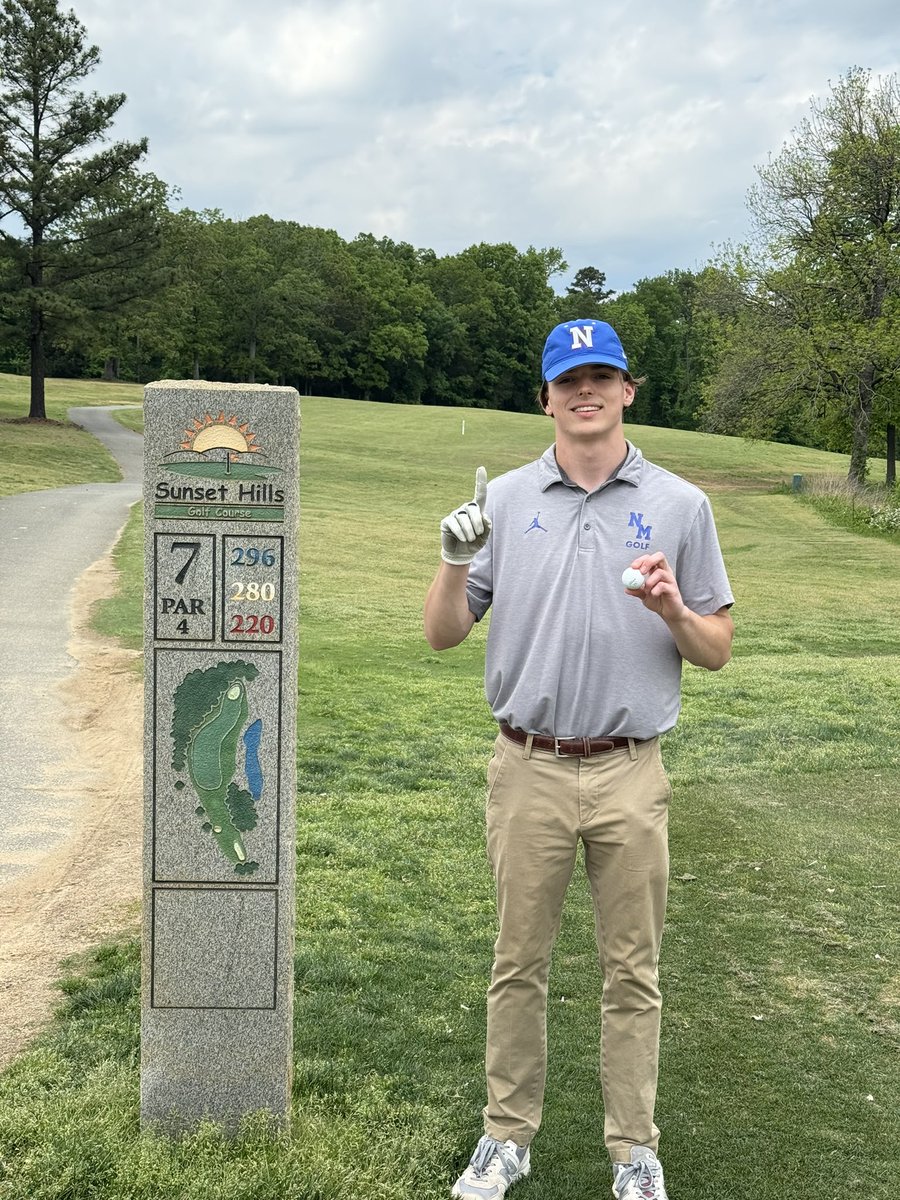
(456, 560)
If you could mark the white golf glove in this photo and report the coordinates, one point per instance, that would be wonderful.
(466, 529)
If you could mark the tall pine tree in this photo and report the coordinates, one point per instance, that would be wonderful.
(75, 216)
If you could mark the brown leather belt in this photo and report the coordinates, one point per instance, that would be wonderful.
(568, 747)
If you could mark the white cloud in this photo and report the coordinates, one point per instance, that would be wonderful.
(312, 51)
(626, 134)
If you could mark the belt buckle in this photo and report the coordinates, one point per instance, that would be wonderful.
(584, 752)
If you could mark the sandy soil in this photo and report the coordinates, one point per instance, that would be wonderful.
(90, 888)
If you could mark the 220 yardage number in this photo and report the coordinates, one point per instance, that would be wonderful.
(251, 624)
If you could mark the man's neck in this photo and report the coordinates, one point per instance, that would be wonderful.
(590, 464)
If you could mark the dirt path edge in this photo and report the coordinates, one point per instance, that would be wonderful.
(89, 888)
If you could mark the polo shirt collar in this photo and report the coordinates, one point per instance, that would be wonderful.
(629, 472)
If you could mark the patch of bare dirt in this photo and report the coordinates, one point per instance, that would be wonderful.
(90, 888)
(32, 421)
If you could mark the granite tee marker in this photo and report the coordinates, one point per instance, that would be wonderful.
(221, 514)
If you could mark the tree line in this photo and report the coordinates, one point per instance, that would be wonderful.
(792, 336)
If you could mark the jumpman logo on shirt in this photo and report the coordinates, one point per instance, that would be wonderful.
(536, 524)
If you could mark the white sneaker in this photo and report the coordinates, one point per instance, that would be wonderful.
(494, 1167)
(641, 1179)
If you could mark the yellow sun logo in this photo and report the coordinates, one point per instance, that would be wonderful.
(221, 433)
(222, 447)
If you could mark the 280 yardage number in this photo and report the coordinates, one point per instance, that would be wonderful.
(251, 590)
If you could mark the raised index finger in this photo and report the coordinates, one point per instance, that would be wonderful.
(480, 487)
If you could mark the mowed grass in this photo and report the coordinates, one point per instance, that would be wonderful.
(782, 992)
(55, 453)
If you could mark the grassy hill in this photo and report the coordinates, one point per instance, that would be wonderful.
(49, 456)
(36, 455)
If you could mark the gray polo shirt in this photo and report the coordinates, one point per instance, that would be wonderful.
(569, 652)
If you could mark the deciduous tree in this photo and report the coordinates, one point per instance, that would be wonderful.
(822, 284)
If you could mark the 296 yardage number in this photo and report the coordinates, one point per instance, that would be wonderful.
(251, 556)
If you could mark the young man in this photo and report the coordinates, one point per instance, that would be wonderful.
(582, 675)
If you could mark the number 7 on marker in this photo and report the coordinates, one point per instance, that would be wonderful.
(194, 548)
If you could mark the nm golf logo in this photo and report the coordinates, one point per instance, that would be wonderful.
(640, 539)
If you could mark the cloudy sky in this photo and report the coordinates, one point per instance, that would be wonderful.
(626, 134)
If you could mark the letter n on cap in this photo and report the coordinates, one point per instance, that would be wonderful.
(582, 335)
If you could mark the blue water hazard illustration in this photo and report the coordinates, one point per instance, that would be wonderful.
(252, 769)
(211, 709)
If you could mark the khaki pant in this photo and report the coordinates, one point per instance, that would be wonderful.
(538, 808)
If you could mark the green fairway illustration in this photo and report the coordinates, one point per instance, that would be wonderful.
(211, 712)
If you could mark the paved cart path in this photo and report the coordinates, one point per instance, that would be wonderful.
(70, 734)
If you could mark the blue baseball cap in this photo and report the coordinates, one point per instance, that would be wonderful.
(576, 342)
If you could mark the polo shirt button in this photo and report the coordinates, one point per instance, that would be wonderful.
(587, 524)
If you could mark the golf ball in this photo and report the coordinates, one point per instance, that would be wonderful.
(632, 578)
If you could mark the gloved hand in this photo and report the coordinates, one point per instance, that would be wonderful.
(466, 529)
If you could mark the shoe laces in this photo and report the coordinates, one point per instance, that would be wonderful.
(644, 1176)
(486, 1151)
